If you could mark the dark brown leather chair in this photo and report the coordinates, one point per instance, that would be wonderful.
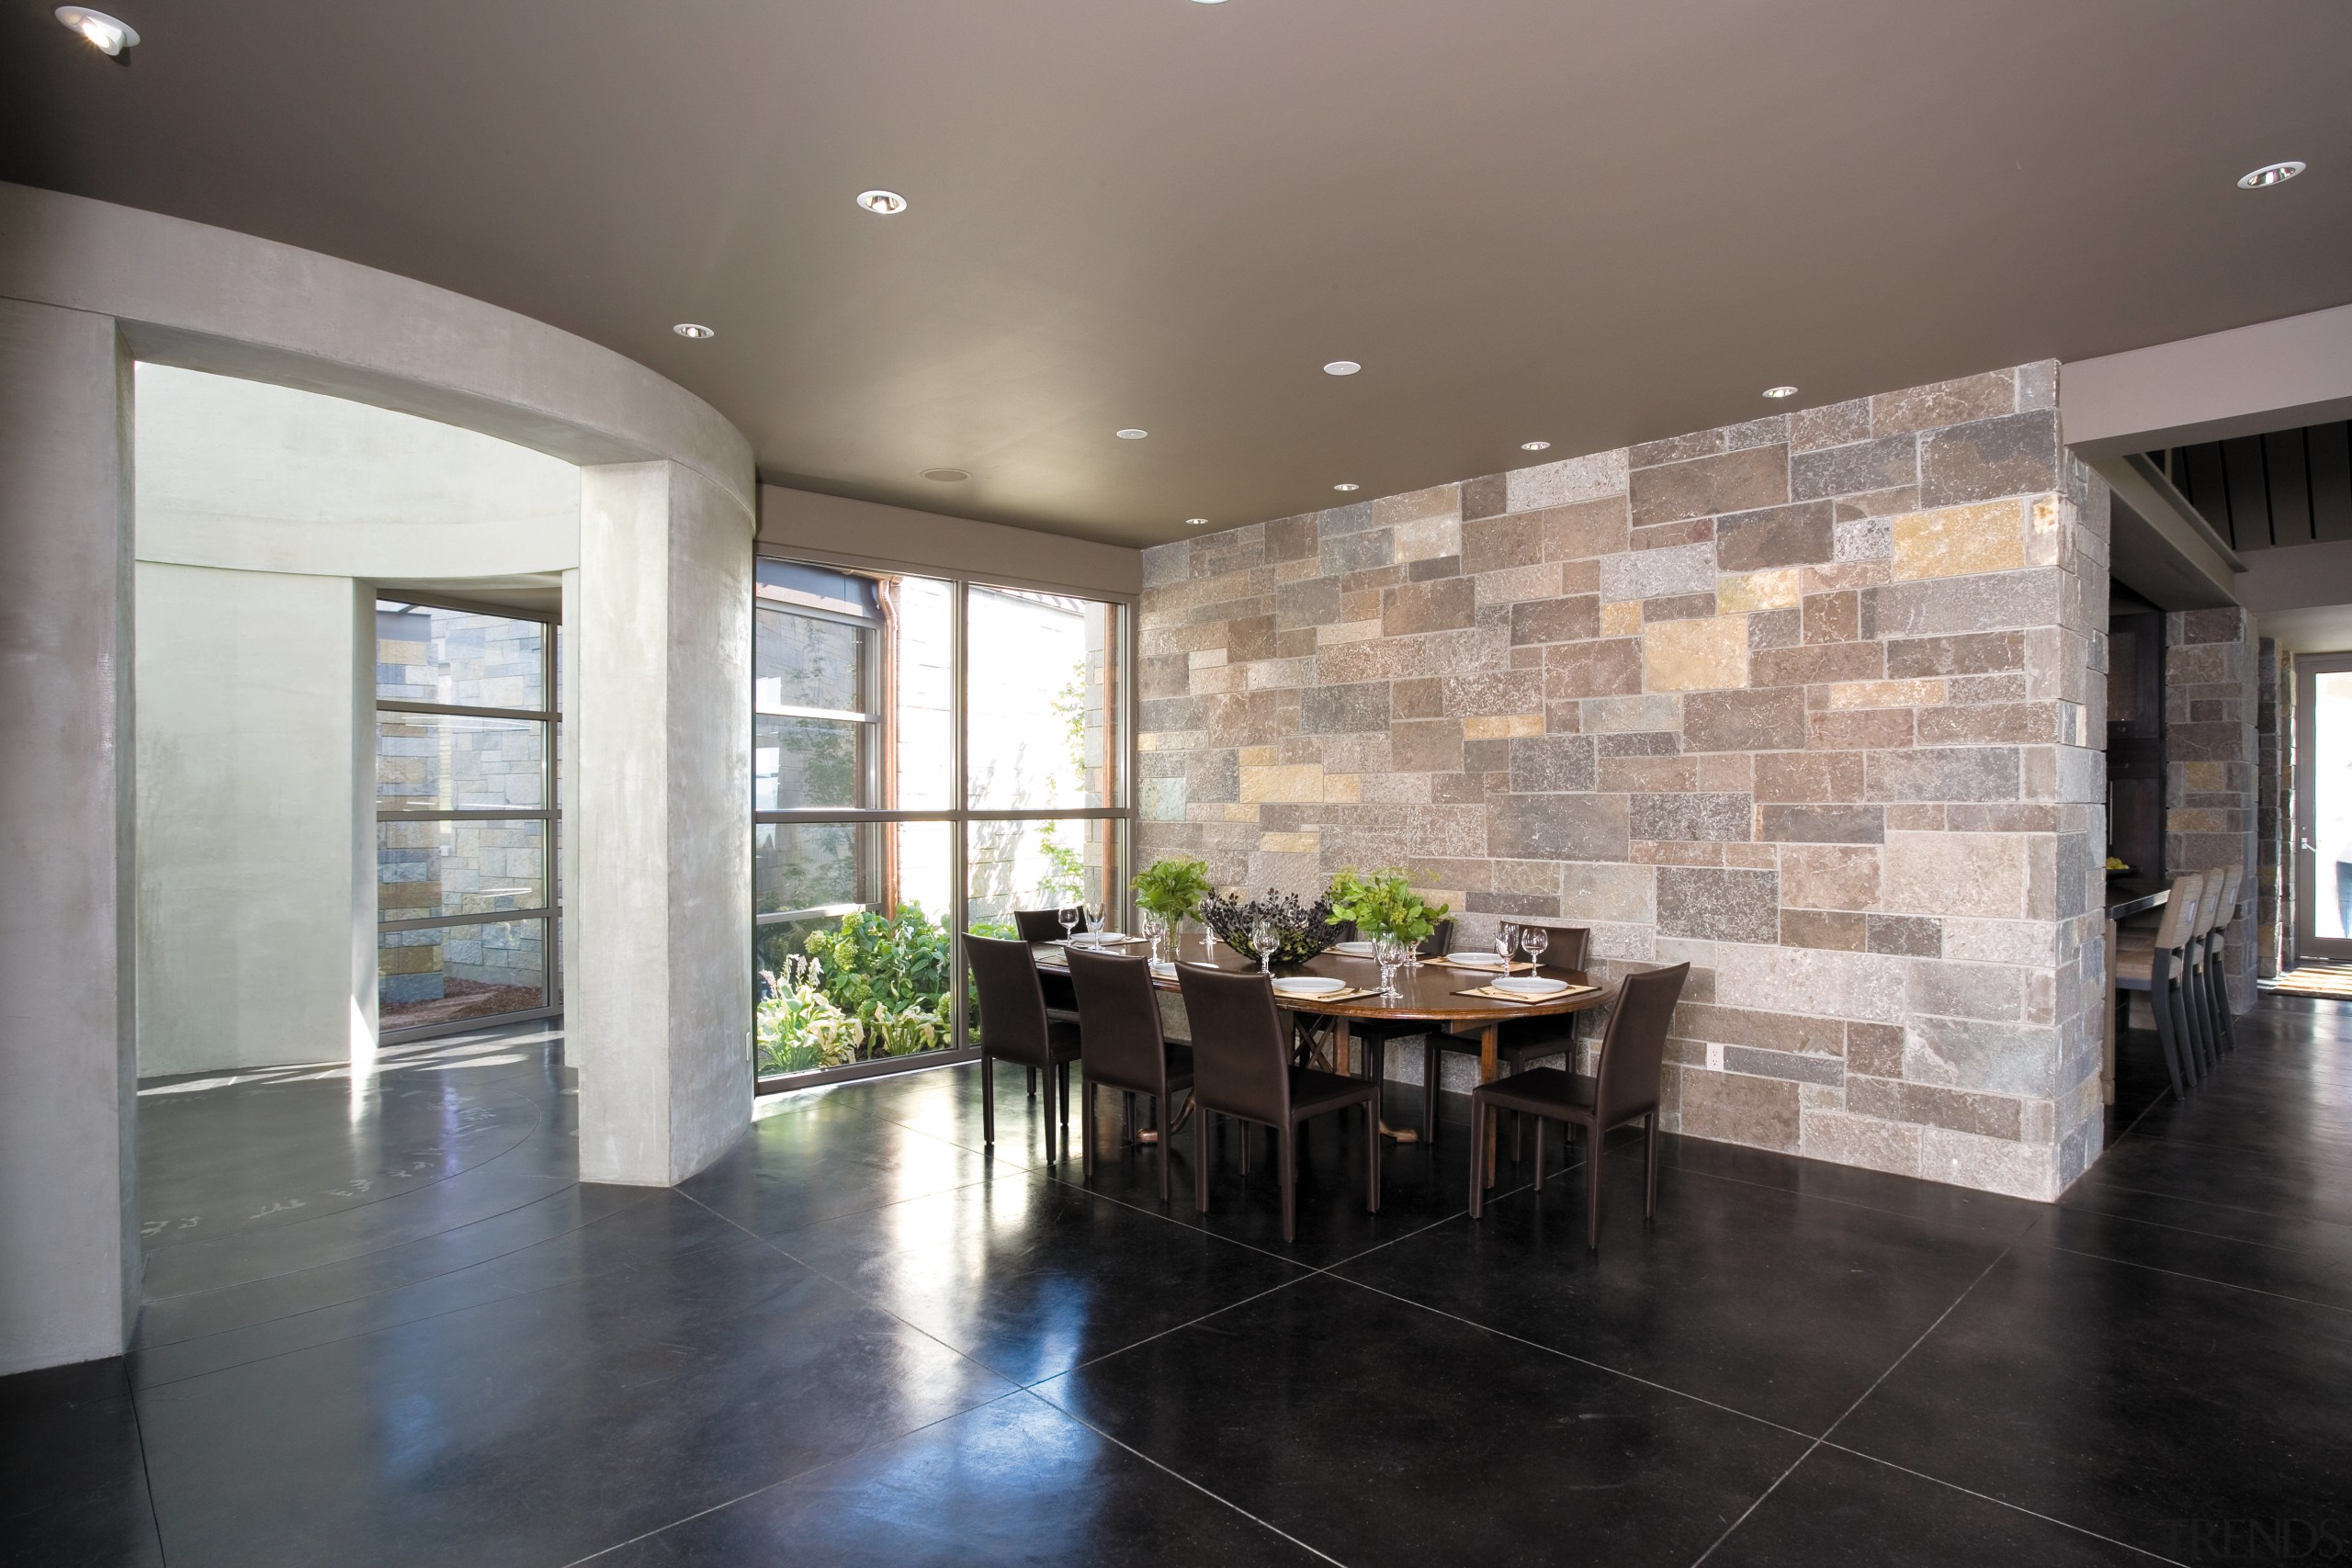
(1014, 1027)
(1121, 1044)
(1242, 1068)
(1045, 925)
(1037, 926)
(1624, 1088)
(1523, 1039)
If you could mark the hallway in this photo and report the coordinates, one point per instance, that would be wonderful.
(389, 1326)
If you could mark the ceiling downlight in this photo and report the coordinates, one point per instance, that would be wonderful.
(882, 203)
(108, 35)
(1341, 367)
(694, 330)
(1780, 392)
(2270, 174)
(948, 476)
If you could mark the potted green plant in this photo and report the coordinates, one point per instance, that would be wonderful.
(1384, 904)
(1171, 889)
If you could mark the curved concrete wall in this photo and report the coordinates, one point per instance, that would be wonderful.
(85, 289)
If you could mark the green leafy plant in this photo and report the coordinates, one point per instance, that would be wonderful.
(874, 986)
(1173, 887)
(798, 1029)
(1384, 904)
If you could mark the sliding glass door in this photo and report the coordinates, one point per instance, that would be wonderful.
(464, 816)
(928, 755)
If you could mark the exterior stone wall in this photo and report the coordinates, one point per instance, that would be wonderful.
(1813, 702)
(2211, 707)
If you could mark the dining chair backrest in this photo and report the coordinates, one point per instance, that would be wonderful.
(1438, 943)
(2222, 898)
(2182, 910)
(1567, 946)
(1633, 1050)
(1240, 1063)
(1044, 925)
(1012, 1002)
(1118, 1016)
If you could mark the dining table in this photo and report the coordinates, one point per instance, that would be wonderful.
(1434, 992)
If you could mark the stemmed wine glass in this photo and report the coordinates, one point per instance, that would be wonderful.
(1093, 908)
(1263, 936)
(1535, 939)
(1151, 924)
(1390, 952)
(1068, 914)
(1506, 937)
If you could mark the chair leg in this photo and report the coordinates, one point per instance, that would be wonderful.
(1127, 1109)
(1477, 1157)
(988, 1101)
(1593, 1186)
(1063, 1107)
(1159, 1120)
(2228, 1018)
(1086, 1128)
(1430, 1058)
(1518, 1139)
(1539, 1158)
(1649, 1166)
(2160, 996)
(1200, 1159)
(1372, 1155)
(1246, 1127)
(1033, 1081)
(1286, 1146)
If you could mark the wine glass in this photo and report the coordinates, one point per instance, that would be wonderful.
(1535, 939)
(1068, 914)
(1263, 936)
(1506, 937)
(1093, 908)
(1151, 924)
(1390, 952)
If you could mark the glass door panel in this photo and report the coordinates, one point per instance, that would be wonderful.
(2323, 807)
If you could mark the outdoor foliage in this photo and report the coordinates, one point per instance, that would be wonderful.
(1384, 904)
(874, 986)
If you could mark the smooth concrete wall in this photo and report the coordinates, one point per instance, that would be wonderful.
(81, 282)
(868, 532)
(245, 761)
(265, 513)
(661, 1015)
(69, 1235)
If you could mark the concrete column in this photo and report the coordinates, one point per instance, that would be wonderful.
(69, 1223)
(660, 1012)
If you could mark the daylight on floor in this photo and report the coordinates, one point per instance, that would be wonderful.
(1211, 780)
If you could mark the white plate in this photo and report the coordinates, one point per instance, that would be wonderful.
(1352, 949)
(1098, 939)
(1530, 985)
(1474, 960)
(1307, 986)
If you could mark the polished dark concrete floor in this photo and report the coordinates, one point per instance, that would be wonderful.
(388, 1327)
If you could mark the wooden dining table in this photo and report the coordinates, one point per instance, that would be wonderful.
(1430, 993)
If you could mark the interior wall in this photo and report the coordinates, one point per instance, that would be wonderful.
(246, 884)
(265, 515)
(1813, 702)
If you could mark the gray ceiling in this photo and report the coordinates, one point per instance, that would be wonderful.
(1529, 219)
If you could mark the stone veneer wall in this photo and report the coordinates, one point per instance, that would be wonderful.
(2211, 709)
(1811, 702)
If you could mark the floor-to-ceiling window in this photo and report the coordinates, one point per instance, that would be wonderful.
(466, 821)
(929, 755)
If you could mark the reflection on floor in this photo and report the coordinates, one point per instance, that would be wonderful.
(386, 1326)
(2313, 978)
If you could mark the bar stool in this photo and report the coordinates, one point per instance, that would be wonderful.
(2162, 971)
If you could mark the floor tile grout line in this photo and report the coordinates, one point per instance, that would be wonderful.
(407, 1285)
(1213, 1497)
(2199, 1279)
(1859, 1399)
(2210, 1203)
(803, 1474)
(2215, 1236)
(1848, 1202)
(1582, 1360)
(1997, 1502)
(146, 1473)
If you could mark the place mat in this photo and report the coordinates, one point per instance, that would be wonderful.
(1288, 998)
(1493, 995)
(1518, 967)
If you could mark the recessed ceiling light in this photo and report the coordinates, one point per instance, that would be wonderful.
(110, 34)
(1341, 367)
(694, 330)
(1200, 522)
(1132, 435)
(948, 476)
(1535, 445)
(2268, 175)
(1780, 392)
(1347, 487)
(885, 202)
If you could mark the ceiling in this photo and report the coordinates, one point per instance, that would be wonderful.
(1586, 224)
